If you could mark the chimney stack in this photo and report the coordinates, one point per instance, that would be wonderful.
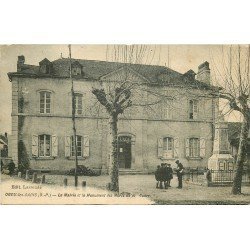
(20, 62)
(203, 74)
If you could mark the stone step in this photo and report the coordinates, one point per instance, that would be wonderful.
(130, 171)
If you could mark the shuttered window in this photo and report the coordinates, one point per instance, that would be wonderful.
(78, 146)
(168, 147)
(194, 147)
(82, 144)
(44, 145)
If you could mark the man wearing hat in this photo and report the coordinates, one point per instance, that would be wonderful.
(180, 170)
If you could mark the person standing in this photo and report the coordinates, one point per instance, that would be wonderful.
(157, 176)
(180, 171)
(170, 174)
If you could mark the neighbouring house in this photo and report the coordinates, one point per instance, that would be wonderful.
(3, 145)
(234, 129)
(173, 116)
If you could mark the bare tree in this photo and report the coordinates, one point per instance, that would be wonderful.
(234, 79)
(116, 97)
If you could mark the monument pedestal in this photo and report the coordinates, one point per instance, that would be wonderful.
(221, 163)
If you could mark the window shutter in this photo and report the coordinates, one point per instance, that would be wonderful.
(160, 147)
(176, 147)
(187, 148)
(202, 147)
(35, 145)
(54, 146)
(85, 146)
(67, 146)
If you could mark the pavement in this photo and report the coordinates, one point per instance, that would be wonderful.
(145, 186)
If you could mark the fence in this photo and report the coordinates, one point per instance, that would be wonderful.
(227, 176)
(217, 177)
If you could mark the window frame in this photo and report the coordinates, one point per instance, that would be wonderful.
(191, 109)
(44, 146)
(78, 97)
(72, 146)
(192, 149)
(45, 92)
(166, 150)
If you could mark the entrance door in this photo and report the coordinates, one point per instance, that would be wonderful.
(124, 151)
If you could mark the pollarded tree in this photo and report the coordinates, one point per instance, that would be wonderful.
(235, 82)
(116, 97)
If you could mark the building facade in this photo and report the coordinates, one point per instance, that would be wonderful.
(171, 118)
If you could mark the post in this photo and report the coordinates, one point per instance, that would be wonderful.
(27, 175)
(84, 184)
(65, 182)
(34, 177)
(43, 179)
(73, 116)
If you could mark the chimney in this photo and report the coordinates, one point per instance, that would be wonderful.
(203, 74)
(20, 62)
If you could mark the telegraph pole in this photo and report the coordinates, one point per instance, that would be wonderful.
(73, 116)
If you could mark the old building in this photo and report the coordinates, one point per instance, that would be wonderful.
(172, 116)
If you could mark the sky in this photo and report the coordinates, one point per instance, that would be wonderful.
(178, 57)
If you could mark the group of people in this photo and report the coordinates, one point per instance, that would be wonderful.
(164, 175)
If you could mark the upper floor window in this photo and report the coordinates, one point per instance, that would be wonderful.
(78, 104)
(164, 108)
(193, 109)
(168, 106)
(45, 102)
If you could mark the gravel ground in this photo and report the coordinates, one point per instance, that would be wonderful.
(145, 185)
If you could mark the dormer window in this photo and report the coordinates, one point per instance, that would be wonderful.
(76, 69)
(45, 66)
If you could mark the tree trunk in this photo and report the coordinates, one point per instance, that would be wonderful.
(241, 157)
(114, 169)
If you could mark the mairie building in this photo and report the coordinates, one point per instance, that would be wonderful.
(172, 116)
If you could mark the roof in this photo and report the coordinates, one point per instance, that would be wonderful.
(3, 139)
(94, 70)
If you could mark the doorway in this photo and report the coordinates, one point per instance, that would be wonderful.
(124, 152)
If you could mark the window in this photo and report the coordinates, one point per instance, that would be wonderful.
(193, 109)
(167, 111)
(78, 146)
(78, 104)
(168, 147)
(44, 145)
(45, 102)
(76, 71)
(194, 147)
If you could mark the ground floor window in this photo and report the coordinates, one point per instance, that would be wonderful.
(168, 147)
(194, 147)
(78, 146)
(44, 145)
